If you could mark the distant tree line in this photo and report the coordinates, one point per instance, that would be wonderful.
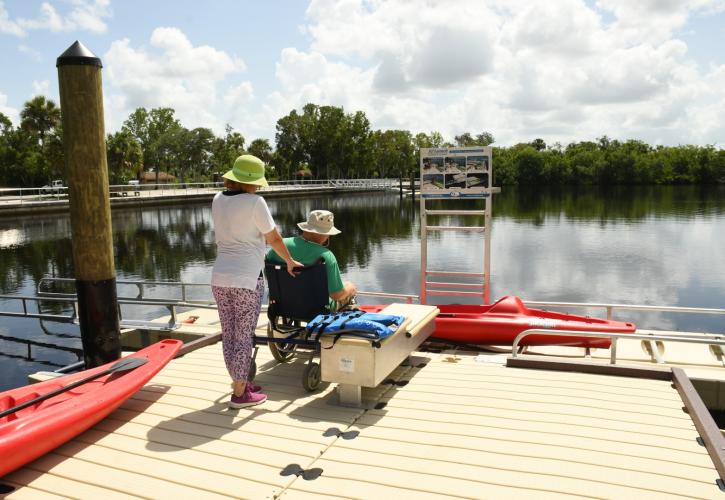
(608, 162)
(326, 142)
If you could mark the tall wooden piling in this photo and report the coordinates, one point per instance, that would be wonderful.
(86, 170)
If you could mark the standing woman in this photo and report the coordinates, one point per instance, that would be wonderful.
(242, 224)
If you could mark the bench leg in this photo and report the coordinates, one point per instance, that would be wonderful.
(349, 395)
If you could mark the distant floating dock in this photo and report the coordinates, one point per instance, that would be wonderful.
(47, 200)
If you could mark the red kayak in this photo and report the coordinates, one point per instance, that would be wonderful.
(500, 323)
(34, 430)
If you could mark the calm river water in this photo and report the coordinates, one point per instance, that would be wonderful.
(654, 245)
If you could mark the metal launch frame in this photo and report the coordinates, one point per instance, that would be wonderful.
(465, 174)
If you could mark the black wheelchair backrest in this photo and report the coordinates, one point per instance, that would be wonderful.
(302, 297)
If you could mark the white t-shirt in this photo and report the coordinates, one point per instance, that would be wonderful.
(240, 222)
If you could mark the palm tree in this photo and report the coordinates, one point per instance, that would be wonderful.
(39, 116)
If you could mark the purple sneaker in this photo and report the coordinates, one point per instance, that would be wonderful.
(249, 398)
(251, 386)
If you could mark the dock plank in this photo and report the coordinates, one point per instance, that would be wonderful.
(467, 478)
(496, 417)
(109, 477)
(365, 481)
(262, 466)
(498, 455)
(502, 427)
(30, 486)
(187, 477)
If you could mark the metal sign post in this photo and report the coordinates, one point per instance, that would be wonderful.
(456, 173)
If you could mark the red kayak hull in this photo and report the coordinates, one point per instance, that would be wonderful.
(31, 432)
(501, 322)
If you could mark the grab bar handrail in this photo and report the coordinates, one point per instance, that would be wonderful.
(707, 339)
(627, 307)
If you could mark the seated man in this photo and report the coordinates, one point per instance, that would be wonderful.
(311, 246)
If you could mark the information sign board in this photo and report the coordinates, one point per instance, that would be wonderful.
(455, 172)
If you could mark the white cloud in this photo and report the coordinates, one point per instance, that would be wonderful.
(30, 51)
(704, 117)
(8, 111)
(239, 96)
(653, 20)
(41, 88)
(414, 44)
(49, 19)
(311, 77)
(240, 111)
(7, 25)
(171, 73)
(86, 15)
(563, 71)
(565, 27)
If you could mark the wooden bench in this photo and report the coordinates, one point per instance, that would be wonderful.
(354, 363)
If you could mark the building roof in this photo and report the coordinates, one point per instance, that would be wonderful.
(151, 177)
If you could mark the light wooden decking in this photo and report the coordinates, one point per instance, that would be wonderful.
(460, 427)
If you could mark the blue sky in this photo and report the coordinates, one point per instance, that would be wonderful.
(562, 70)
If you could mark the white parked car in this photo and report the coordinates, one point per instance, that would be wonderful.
(55, 187)
(136, 186)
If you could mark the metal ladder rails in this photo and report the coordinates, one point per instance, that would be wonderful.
(481, 288)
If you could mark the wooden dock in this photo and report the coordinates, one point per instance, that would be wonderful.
(455, 425)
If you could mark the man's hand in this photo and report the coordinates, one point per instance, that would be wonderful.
(291, 264)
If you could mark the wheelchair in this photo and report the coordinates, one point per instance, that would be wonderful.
(293, 301)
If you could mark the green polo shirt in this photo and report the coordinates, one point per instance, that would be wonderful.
(308, 253)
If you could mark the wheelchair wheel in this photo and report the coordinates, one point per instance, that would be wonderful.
(252, 370)
(280, 351)
(311, 377)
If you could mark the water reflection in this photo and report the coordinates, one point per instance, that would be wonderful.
(615, 204)
(653, 245)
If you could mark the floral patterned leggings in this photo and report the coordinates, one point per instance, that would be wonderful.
(238, 312)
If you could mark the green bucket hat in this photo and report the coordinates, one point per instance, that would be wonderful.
(247, 169)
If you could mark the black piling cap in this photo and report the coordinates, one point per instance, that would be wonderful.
(78, 54)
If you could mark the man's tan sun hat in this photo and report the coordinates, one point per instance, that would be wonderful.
(247, 169)
(320, 222)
